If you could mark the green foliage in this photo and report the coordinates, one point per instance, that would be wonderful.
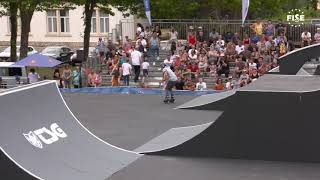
(225, 9)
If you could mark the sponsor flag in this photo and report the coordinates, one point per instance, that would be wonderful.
(147, 10)
(245, 9)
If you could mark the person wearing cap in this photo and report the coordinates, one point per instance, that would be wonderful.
(169, 79)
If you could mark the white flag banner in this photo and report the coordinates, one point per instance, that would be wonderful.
(245, 9)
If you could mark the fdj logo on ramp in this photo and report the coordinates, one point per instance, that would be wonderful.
(45, 135)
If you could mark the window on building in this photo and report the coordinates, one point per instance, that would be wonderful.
(99, 22)
(52, 21)
(104, 22)
(58, 21)
(94, 22)
(64, 21)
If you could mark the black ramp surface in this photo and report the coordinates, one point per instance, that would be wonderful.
(293, 61)
(275, 123)
(59, 147)
(220, 101)
(178, 168)
(173, 137)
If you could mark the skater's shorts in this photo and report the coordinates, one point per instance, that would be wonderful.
(145, 72)
(170, 85)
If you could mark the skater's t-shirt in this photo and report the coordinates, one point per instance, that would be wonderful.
(145, 65)
(126, 68)
(171, 74)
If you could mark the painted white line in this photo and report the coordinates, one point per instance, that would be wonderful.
(86, 128)
(25, 87)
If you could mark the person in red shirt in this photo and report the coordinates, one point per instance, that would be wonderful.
(192, 39)
(194, 69)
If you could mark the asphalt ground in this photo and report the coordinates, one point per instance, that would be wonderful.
(128, 121)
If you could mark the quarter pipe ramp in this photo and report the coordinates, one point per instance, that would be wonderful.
(41, 139)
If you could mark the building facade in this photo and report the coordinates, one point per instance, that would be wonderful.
(65, 27)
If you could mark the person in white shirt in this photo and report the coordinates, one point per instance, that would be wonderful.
(201, 86)
(229, 84)
(126, 71)
(317, 36)
(33, 76)
(136, 58)
(239, 47)
(169, 79)
(252, 64)
(306, 38)
(145, 70)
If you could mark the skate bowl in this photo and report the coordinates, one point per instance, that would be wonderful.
(41, 139)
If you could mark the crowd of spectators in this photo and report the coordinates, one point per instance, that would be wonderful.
(230, 59)
(233, 61)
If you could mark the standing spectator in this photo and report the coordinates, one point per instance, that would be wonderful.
(281, 28)
(257, 27)
(158, 31)
(154, 47)
(200, 36)
(306, 38)
(115, 80)
(317, 36)
(33, 76)
(192, 40)
(246, 40)
(76, 77)
(213, 35)
(136, 58)
(201, 86)
(223, 67)
(173, 36)
(147, 33)
(67, 76)
(270, 29)
(140, 30)
(126, 71)
(57, 77)
(98, 79)
(236, 38)
(145, 70)
(91, 78)
(101, 48)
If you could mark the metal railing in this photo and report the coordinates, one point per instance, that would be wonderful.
(222, 26)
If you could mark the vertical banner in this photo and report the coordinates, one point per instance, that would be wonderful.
(245, 9)
(147, 9)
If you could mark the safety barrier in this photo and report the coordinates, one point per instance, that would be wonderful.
(134, 90)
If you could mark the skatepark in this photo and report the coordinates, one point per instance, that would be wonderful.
(49, 135)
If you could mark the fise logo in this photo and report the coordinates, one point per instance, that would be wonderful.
(295, 17)
(45, 135)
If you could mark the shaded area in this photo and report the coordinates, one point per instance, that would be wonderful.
(178, 168)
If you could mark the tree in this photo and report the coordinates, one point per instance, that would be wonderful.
(11, 10)
(125, 6)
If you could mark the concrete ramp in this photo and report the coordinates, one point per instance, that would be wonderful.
(40, 138)
(274, 119)
(220, 101)
(172, 138)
